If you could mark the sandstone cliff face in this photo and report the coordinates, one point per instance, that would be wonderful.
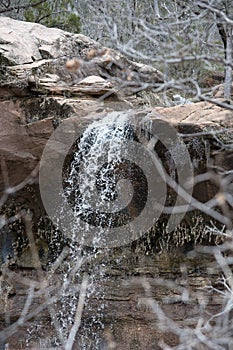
(38, 91)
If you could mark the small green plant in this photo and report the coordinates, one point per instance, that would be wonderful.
(56, 13)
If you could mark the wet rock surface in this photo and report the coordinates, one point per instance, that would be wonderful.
(126, 318)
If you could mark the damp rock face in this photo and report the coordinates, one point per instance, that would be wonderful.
(48, 77)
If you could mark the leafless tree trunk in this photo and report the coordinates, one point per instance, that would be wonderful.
(229, 60)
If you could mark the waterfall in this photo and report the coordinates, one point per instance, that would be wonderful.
(93, 183)
(112, 190)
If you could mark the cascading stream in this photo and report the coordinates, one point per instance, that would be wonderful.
(96, 188)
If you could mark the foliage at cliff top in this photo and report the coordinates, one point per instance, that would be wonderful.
(51, 13)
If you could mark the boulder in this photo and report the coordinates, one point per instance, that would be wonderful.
(33, 59)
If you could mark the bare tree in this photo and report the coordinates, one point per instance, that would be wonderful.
(181, 38)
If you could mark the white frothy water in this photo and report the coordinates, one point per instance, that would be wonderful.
(92, 184)
(93, 165)
(93, 193)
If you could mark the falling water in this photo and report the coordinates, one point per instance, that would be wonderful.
(92, 186)
(92, 190)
